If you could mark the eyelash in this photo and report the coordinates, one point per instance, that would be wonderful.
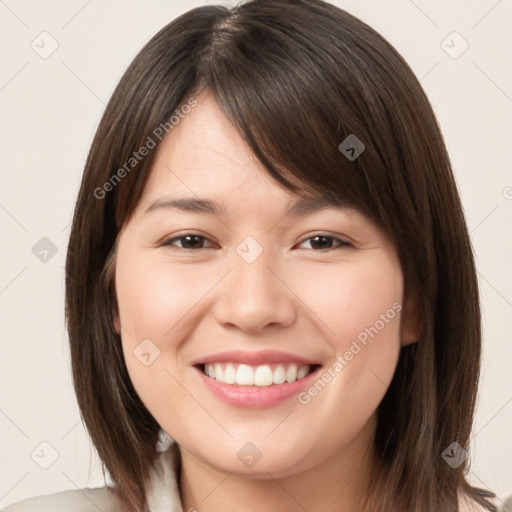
(169, 242)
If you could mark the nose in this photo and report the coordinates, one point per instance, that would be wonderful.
(254, 296)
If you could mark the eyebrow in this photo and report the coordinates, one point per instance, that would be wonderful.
(300, 207)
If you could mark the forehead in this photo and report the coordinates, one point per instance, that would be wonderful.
(204, 166)
(203, 155)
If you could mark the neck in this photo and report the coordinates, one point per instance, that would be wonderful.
(340, 482)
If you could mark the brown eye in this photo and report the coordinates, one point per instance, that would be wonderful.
(187, 242)
(323, 242)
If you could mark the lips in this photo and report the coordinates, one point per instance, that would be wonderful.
(254, 358)
(255, 379)
(260, 375)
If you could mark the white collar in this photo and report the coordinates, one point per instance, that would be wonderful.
(162, 490)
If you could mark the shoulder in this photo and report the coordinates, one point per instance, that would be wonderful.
(80, 500)
(468, 505)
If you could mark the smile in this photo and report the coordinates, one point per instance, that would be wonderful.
(255, 379)
(262, 375)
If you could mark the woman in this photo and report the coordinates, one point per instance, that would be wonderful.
(269, 280)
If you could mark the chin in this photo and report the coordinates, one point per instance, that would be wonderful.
(256, 457)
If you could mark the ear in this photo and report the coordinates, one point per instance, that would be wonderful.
(117, 322)
(115, 312)
(411, 325)
(110, 284)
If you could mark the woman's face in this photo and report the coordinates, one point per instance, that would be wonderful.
(296, 316)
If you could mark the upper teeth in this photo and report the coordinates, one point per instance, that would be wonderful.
(264, 375)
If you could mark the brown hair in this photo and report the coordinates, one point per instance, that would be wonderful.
(295, 77)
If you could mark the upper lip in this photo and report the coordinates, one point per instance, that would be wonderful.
(253, 358)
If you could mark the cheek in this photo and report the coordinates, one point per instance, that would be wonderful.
(153, 298)
(152, 302)
(160, 304)
(360, 299)
(361, 308)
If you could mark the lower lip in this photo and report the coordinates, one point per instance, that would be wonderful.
(255, 396)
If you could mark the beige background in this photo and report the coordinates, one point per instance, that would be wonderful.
(49, 112)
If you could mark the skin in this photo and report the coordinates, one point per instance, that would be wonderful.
(295, 297)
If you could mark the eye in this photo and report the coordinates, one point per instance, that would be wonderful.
(188, 241)
(193, 242)
(325, 242)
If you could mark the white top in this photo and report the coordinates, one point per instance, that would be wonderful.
(162, 494)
